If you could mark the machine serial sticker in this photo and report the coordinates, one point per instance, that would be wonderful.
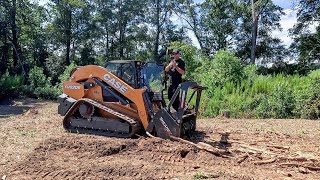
(118, 85)
(165, 125)
(71, 87)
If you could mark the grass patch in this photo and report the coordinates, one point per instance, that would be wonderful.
(201, 175)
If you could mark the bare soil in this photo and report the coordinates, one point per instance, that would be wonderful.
(33, 145)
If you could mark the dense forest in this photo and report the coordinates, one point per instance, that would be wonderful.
(40, 44)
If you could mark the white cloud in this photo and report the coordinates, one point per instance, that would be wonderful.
(287, 21)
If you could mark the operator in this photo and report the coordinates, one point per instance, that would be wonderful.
(175, 69)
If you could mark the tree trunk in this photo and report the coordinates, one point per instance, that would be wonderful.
(14, 34)
(254, 33)
(122, 28)
(112, 48)
(5, 49)
(107, 45)
(73, 51)
(68, 34)
(156, 43)
(121, 43)
(4, 53)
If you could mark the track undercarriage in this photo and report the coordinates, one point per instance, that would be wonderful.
(84, 117)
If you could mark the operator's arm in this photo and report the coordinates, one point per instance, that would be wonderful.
(168, 67)
(179, 69)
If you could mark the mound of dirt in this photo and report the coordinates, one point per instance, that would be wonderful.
(143, 158)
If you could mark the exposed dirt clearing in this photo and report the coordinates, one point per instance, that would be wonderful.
(35, 146)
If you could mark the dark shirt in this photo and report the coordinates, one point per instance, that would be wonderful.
(175, 76)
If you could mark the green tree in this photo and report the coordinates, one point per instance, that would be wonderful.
(190, 12)
(9, 33)
(162, 10)
(307, 43)
(219, 23)
(258, 18)
(66, 23)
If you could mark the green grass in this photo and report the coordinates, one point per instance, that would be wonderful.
(200, 175)
(272, 96)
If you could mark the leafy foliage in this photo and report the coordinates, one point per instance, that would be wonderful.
(223, 67)
(307, 42)
(10, 85)
(40, 86)
(278, 96)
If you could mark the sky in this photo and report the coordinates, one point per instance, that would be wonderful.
(287, 21)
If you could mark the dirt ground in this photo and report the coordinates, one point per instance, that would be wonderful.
(33, 145)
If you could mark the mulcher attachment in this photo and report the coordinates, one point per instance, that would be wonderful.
(168, 122)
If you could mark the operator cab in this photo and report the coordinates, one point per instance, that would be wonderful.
(138, 74)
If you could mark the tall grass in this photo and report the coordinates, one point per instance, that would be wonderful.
(249, 95)
(277, 96)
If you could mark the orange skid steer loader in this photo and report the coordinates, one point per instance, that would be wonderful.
(117, 100)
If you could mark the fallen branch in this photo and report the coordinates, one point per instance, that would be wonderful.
(294, 158)
(264, 162)
(235, 141)
(279, 147)
(241, 150)
(201, 146)
(257, 149)
(290, 164)
(150, 135)
(312, 168)
(243, 158)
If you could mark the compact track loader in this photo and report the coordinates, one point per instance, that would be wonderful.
(117, 100)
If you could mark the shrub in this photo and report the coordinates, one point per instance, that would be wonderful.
(40, 86)
(67, 72)
(37, 78)
(224, 67)
(282, 101)
(10, 85)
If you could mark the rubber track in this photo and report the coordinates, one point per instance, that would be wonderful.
(135, 125)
